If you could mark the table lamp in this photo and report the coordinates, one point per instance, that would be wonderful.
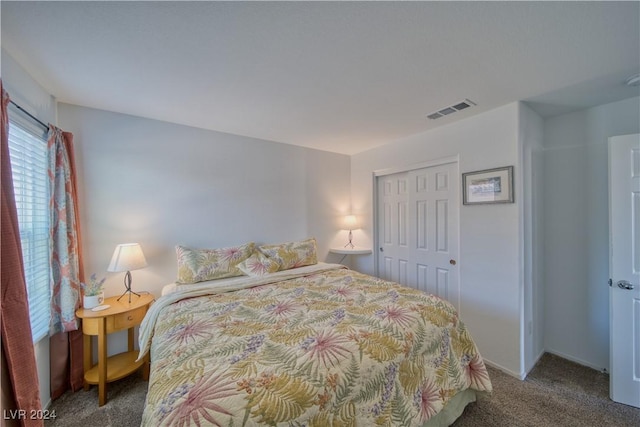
(350, 223)
(126, 257)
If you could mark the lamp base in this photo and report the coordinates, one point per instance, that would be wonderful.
(350, 243)
(127, 285)
(128, 291)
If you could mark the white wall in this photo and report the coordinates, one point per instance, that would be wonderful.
(576, 225)
(27, 93)
(162, 184)
(490, 258)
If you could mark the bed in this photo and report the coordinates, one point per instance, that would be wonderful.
(317, 345)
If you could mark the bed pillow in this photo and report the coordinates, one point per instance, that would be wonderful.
(258, 265)
(292, 254)
(198, 265)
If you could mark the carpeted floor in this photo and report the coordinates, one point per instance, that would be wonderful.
(557, 393)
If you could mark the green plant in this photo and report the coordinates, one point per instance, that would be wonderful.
(94, 287)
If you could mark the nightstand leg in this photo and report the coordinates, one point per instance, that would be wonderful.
(130, 340)
(87, 358)
(102, 362)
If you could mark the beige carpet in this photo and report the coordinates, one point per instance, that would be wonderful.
(556, 393)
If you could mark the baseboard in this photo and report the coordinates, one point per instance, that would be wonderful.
(535, 362)
(577, 360)
(521, 376)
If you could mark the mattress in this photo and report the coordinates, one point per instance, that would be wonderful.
(317, 346)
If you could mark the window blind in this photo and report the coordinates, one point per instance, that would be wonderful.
(28, 153)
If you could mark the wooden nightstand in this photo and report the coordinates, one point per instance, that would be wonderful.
(121, 315)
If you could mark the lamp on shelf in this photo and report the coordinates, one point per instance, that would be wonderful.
(126, 257)
(350, 222)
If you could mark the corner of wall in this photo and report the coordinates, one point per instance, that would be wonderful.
(530, 136)
(26, 91)
(576, 227)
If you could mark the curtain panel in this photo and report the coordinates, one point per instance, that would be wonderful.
(18, 355)
(64, 235)
(66, 265)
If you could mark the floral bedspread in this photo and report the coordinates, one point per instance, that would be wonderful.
(335, 348)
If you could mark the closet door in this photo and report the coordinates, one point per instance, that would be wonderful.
(394, 228)
(418, 229)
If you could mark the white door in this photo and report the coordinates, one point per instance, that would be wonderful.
(418, 229)
(624, 255)
(393, 227)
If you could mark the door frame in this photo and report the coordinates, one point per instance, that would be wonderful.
(390, 171)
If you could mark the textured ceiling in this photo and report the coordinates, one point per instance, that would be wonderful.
(337, 76)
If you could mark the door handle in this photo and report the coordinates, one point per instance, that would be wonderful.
(381, 249)
(624, 284)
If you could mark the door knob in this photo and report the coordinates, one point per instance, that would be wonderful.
(452, 261)
(624, 284)
(381, 249)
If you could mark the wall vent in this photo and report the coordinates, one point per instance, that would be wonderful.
(452, 109)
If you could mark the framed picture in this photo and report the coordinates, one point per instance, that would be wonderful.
(488, 186)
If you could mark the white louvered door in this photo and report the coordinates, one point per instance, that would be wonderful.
(417, 225)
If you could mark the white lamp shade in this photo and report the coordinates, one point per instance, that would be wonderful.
(127, 256)
(350, 222)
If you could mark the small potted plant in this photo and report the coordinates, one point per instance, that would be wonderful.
(93, 292)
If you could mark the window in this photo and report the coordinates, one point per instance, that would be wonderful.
(28, 152)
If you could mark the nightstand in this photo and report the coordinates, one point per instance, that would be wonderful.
(121, 315)
(350, 251)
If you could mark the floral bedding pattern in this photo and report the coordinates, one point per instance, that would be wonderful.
(336, 348)
(292, 254)
(258, 265)
(199, 265)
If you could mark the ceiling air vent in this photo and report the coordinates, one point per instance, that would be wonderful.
(450, 110)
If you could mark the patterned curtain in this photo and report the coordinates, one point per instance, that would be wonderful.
(66, 265)
(64, 242)
(18, 358)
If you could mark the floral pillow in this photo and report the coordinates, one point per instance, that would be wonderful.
(292, 254)
(198, 265)
(258, 265)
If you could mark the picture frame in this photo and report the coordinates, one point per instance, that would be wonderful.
(488, 186)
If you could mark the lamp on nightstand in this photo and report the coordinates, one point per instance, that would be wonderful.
(126, 257)
(350, 222)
